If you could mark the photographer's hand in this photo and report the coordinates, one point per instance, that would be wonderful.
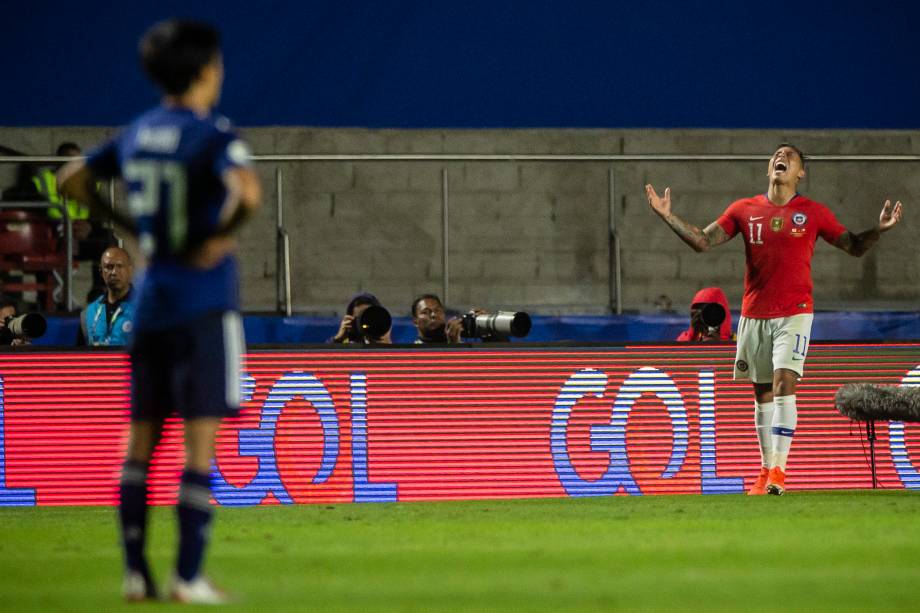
(344, 327)
(454, 329)
(696, 320)
(710, 335)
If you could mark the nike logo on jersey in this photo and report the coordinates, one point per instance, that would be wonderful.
(797, 359)
(755, 218)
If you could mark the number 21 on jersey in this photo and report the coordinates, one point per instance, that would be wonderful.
(161, 183)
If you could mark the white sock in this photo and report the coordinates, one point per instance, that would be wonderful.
(785, 418)
(763, 420)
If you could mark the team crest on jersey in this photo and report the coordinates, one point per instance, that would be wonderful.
(776, 224)
(798, 225)
(741, 365)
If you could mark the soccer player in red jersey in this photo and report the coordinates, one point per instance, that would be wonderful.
(780, 229)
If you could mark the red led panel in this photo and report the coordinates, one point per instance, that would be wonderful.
(421, 424)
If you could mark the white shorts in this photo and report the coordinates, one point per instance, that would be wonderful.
(765, 345)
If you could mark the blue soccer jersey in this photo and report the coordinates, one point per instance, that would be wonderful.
(172, 162)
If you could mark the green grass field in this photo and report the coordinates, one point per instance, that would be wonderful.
(804, 551)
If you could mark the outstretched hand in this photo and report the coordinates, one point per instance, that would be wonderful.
(661, 205)
(890, 216)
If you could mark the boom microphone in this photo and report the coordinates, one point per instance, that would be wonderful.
(867, 402)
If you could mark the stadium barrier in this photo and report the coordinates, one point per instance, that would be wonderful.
(324, 425)
(273, 329)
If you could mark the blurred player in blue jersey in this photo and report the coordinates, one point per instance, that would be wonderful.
(190, 186)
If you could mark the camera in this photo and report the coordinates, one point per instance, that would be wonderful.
(496, 326)
(372, 324)
(712, 314)
(22, 327)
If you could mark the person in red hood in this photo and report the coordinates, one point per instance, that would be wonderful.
(700, 331)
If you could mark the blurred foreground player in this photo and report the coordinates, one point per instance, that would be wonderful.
(780, 229)
(190, 187)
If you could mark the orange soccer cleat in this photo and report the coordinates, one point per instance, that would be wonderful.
(758, 488)
(776, 481)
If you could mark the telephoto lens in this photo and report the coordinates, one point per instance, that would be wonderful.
(28, 326)
(374, 322)
(713, 314)
(496, 325)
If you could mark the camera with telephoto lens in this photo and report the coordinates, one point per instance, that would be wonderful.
(22, 327)
(497, 326)
(372, 324)
(712, 314)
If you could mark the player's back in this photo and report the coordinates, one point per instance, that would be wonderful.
(172, 162)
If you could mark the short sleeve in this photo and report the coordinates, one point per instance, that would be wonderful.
(231, 152)
(103, 160)
(830, 229)
(728, 221)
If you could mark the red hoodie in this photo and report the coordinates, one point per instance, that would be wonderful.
(706, 295)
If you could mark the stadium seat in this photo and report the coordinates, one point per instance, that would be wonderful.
(29, 246)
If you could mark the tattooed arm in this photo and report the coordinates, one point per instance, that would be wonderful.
(858, 244)
(699, 240)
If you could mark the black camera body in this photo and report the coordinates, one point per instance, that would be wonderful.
(497, 326)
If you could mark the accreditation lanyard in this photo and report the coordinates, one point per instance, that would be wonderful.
(109, 323)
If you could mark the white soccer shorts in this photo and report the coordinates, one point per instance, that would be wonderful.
(765, 345)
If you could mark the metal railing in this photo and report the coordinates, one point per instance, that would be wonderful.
(615, 271)
(615, 275)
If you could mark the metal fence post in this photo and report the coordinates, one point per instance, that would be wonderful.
(615, 270)
(283, 251)
(445, 238)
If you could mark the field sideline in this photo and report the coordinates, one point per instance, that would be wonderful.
(827, 550)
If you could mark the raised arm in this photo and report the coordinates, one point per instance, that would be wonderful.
(699, 240)
(858, 244)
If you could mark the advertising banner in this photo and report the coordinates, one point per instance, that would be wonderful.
(403, 424)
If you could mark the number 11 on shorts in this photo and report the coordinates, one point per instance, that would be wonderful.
(801, 345)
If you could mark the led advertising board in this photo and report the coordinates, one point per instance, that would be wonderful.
(323, 425)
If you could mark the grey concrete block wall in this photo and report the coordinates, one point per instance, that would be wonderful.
(534, 235)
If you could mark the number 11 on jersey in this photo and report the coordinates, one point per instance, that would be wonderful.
(756, 237)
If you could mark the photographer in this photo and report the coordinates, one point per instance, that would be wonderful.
(429, 318)
(430, 321)
(376, 330)
(710, 318)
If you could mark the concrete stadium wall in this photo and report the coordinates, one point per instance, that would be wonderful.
(534, 235)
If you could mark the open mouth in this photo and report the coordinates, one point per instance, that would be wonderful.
(779, 166)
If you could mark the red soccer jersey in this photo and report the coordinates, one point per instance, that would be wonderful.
(778, 244)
